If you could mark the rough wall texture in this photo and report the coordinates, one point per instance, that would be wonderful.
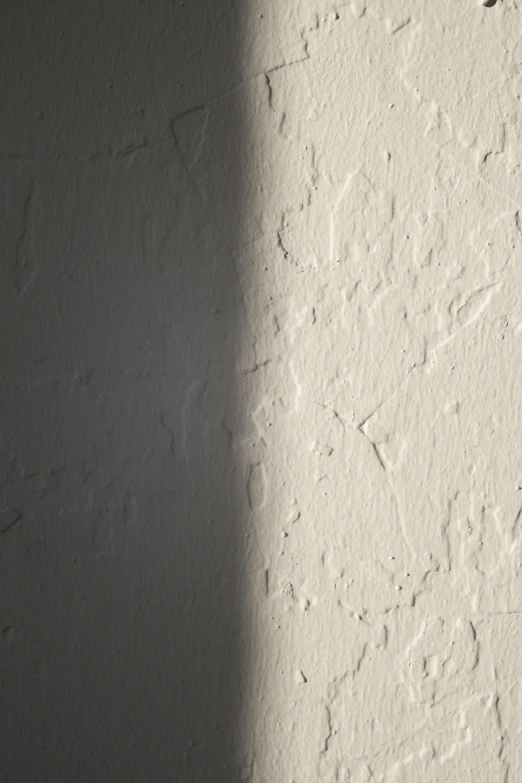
(262, 477)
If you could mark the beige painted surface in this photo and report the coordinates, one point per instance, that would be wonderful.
(384, 289)
(262, 444)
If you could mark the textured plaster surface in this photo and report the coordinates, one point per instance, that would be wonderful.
(262, 480)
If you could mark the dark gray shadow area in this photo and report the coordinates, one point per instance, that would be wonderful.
(119, 603)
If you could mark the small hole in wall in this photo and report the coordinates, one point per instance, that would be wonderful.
(489, 3)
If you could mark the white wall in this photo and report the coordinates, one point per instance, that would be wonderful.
(261, 379)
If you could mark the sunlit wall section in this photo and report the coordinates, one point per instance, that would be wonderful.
(377, 465)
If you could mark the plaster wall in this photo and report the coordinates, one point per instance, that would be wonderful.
(261, 503)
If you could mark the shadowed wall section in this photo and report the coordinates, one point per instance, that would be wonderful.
(119, 595)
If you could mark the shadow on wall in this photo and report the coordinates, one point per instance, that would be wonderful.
(119, 598)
